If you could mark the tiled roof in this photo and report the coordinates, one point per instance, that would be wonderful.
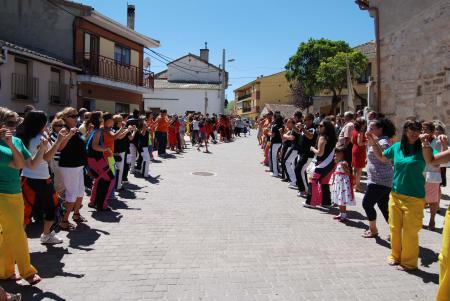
(33, 54)
(164, 84)
(369, 49)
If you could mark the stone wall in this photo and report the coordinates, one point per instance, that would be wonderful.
(415, 60)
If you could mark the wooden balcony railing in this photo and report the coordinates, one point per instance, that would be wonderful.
(245, 96)
(110, 69)
(59, 94)
(24, 87)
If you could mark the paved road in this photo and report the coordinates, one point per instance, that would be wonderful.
(239, 235)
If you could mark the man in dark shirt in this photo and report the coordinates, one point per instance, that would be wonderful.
(275, 144)
(308, 137)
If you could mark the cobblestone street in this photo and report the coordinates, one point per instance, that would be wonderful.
(236, 235)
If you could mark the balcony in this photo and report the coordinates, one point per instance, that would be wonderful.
(59, 94)
(24, 87)
(244, 96)
(108, 68)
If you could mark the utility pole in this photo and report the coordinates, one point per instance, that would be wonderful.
(223, 87)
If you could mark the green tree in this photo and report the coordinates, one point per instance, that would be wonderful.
(230, 106)
(319, 65)
(332, 72)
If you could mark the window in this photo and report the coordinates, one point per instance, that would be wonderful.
(21, 67)
(122, 107)
(122, 55)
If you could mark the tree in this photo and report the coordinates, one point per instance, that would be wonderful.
(298, 96)
(230, 106)
(332, 72)
(319, 65)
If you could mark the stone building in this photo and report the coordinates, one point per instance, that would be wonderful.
(413, 55)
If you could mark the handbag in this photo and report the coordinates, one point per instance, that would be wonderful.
(433, 177)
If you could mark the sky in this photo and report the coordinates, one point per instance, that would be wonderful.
(259, 36)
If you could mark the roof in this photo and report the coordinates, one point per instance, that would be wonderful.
(196, 57)
(285, 110)
(103, 21)
(369, 49)
(161, 75)
(164, 84)
(35, 55)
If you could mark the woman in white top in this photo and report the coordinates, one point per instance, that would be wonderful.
(37, 186)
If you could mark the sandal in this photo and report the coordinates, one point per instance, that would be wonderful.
(392, 262)
(66, 226)
(15, 277)
(369, 234)
(34, 279)
(78, 218)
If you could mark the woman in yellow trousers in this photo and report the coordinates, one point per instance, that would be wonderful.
(444, 258)
(406, 202)
(14, 249)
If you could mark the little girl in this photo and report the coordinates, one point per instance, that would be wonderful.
(341, 189)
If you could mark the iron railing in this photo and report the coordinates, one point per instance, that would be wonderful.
(108, 68)
(59, 94)
(24, 87)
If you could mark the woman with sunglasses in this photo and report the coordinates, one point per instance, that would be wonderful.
(71, 164)
(323, 164)
(14, 249)
(56, 126)
(407, 198)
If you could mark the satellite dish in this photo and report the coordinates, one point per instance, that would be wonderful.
(147, 62)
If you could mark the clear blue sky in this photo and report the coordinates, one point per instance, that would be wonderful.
(259, 35)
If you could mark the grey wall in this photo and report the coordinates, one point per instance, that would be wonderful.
(38, 25)
(394, 13)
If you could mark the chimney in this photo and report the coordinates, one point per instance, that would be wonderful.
(130, 16)
(204, 53)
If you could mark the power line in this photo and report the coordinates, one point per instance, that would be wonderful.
(172, 63)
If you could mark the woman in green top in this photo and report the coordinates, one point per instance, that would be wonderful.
(14, 156)
(406, 201)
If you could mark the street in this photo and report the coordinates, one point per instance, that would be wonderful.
(235, 235)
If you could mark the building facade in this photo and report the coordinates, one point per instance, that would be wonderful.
(414, 57)
(251, 98)
(30, 77)
(107, 57)
(189, 84)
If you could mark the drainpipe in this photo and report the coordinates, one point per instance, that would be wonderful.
(364, 5)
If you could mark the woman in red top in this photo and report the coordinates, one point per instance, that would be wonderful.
(172, 134)
(359, 141)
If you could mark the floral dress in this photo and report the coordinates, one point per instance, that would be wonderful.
(341, 189)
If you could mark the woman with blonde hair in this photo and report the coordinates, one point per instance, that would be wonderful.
(71, 164)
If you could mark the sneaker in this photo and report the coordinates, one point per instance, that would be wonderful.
(293, 185)
(274, 175)
(306, 205)
(302, 194)
(50, 239)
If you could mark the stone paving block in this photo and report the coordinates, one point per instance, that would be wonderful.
(240, 235)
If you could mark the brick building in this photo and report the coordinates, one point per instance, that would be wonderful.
(413, 56)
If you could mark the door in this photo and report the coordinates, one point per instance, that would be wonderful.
(91, 52)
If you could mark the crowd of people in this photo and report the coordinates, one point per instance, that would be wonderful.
(48, 164)
(323, 157)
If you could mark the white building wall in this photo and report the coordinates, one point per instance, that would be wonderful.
(42, 72)
(178, 101)
(203, 72)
